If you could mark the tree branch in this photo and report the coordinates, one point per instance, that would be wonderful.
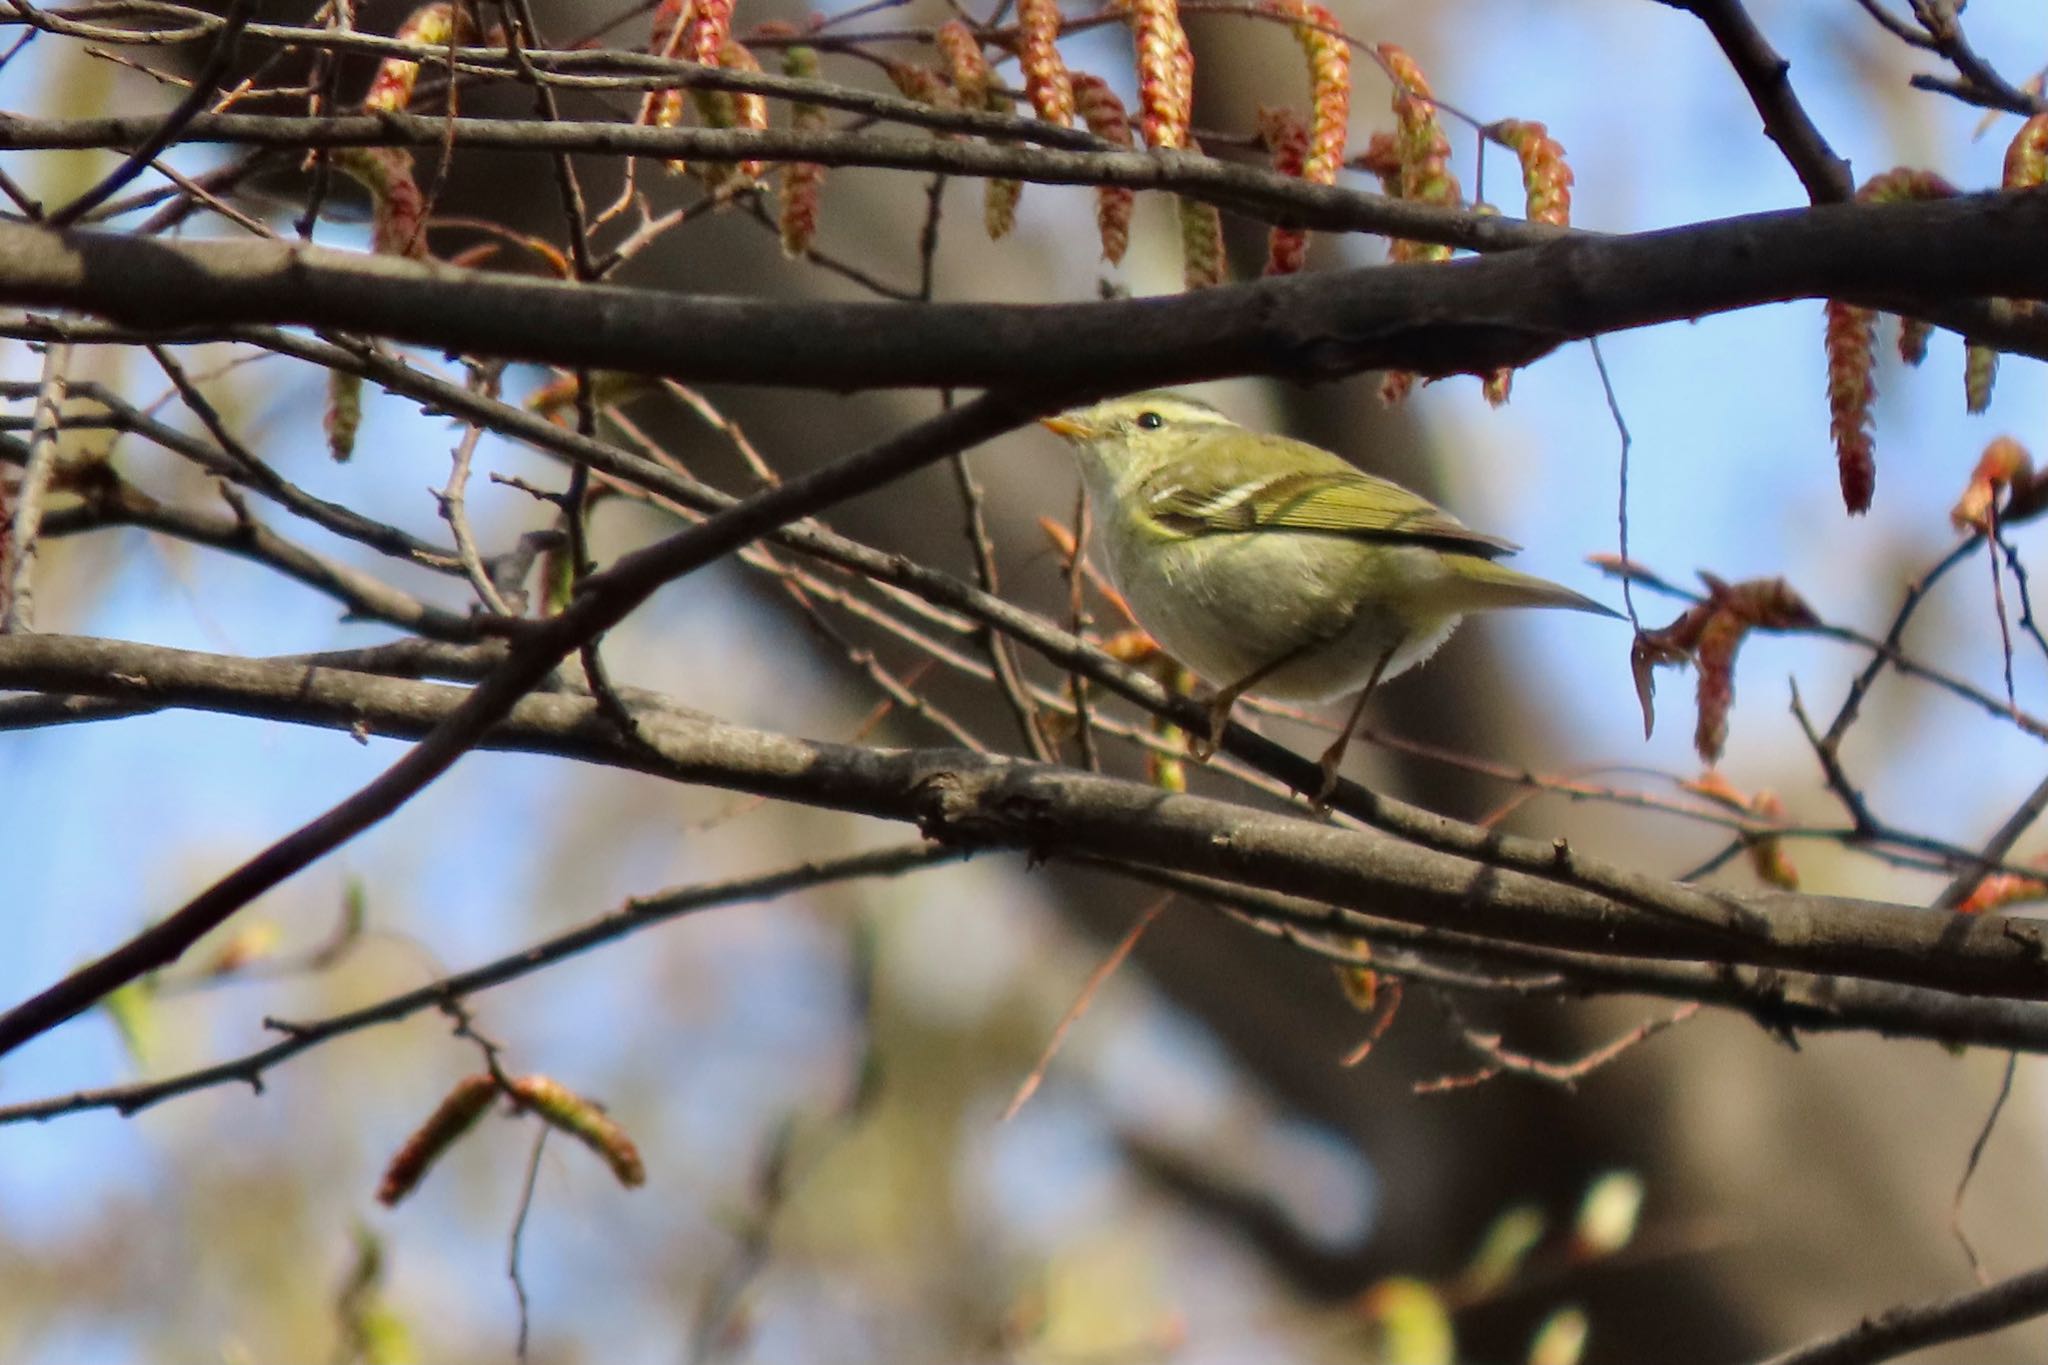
(1897, 1331)
(640, 913)
(1347, 877)
(1467, 315)
(603, 600)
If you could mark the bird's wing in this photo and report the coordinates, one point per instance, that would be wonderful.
(1319, 493)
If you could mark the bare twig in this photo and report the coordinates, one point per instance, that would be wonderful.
(18, 554)
(637, 914)
(1955, 1208)
(1896, 1331)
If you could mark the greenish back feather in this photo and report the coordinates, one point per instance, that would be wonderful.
(1230, 488)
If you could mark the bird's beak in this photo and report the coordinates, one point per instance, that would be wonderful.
(1063, 425)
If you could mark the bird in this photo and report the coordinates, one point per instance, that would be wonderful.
(1268, 564)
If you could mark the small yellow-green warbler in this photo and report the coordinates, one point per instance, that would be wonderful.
(1268, 564)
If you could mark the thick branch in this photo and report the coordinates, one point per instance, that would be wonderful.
(1466, 315)
(995, 802)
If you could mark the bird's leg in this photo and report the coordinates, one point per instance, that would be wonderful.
(1202, 747)
(1333, 757)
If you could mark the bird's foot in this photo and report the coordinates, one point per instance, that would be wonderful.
(1202, 747)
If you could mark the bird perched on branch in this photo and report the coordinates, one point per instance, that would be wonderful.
(1269, 565)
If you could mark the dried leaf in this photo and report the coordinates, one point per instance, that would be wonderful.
(1709, 634)
(2005, 464)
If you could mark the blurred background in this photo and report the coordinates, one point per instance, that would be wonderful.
(1198, 1179)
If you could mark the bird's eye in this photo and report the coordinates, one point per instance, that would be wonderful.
(1150, 421)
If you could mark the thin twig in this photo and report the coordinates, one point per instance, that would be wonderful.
(1955, 1208)
(18, 554)
(637, 914)
(1896, 1331)
(1086, 997)
(512, 1270)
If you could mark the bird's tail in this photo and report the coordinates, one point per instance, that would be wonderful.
(1488, 583)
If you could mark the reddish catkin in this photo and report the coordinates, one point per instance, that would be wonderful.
(1104, 115)
(1546, 198)
(1546, 177)
(1852, 391)
(923, 84)
(999, 207)
(966, 65)
(436, 25)
(802, 181)
(1046, 79)
(344, 414)
(1980, 370)
(664, 108)
(1382, 158)
(1203, 263)
(1166, 72)
(1419, 139)
(1850, 341)
(1287, 138)
(1424, 157)
(709, 27)
(1329, 76)
(1913, 335)
(398, 207)
(968, 70)
(748, 111)
(456, 1115)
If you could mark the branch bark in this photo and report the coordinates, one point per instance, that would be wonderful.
(1348, 879)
